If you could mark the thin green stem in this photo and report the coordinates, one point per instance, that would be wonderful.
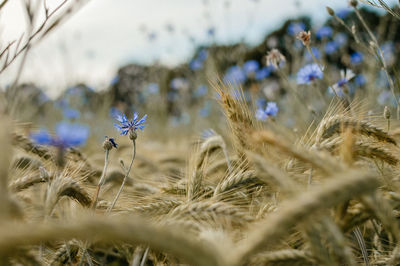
(102, 179)
(125, 178)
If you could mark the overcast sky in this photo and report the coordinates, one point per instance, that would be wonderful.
(105, 34)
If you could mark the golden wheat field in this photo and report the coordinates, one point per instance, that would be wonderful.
(282, 153)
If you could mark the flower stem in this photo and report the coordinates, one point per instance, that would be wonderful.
(123, 182)
(101, 181)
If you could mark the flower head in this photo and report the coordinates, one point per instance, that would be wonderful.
(304, 37)
(308, 73)
(275, 58)
(295, 27)
(132, 125)
(345, 77)
(356, 58)
(67, 135)
(271, 110)
(324, 32)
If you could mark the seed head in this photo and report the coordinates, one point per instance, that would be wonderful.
(109, 143)
(132, 134)
(274, 58)
(353, 3)
(386, 113)
(330, 11)
(304, 37)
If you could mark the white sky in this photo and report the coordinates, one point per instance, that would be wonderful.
(105, 34)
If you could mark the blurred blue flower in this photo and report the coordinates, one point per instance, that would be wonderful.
(316, 53)
(308, 73)
(211, 31)
(203, 54)
(342, 13)
(205, 110)
(127, 125)
(386, 98)
(360, 80)
(153, 88)
(250, 67)
(324, 32)
(388, 51)
(71, 113)
(42, 137)
(195, 64)
(356, 58)
(263, 73)
(271, 110)
(200, 91)
(235, 74)
(178, 83)
(295, 27)
(67, 135)
(152, 36)
(331, 47)
(341, 38)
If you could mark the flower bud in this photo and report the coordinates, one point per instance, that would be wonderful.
(330, 11)
(386, 113)
(132, 135)
(353, 3)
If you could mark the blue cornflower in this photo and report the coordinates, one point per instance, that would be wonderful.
(356, 58)
(211, 32)
(345, 77)
(271, 110)
(324, 32)
(308, 73)
(295, 27)
(153, 88)
(263, 73)
(360, 80)
(343, 13)
(331, 47)
(341, 38)
(250, 67)
(130, 125)
(179, 83)
(71, 113)
(196, 64)
(235, 74)
(67, 135)
(200, 91)
(203, 54)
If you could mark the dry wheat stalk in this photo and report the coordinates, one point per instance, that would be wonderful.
(156, 208)
(339, 188)
(26, 182)
(238, 115)
(361, 149)
(285, 256)
(65, 254)
(206, 209)
(131, 230)
(319, 160)
(337, 123)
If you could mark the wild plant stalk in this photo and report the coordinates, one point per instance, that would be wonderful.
(125, 178)
(102, 179)
(379, 51)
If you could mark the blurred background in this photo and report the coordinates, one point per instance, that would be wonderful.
(104, 35)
